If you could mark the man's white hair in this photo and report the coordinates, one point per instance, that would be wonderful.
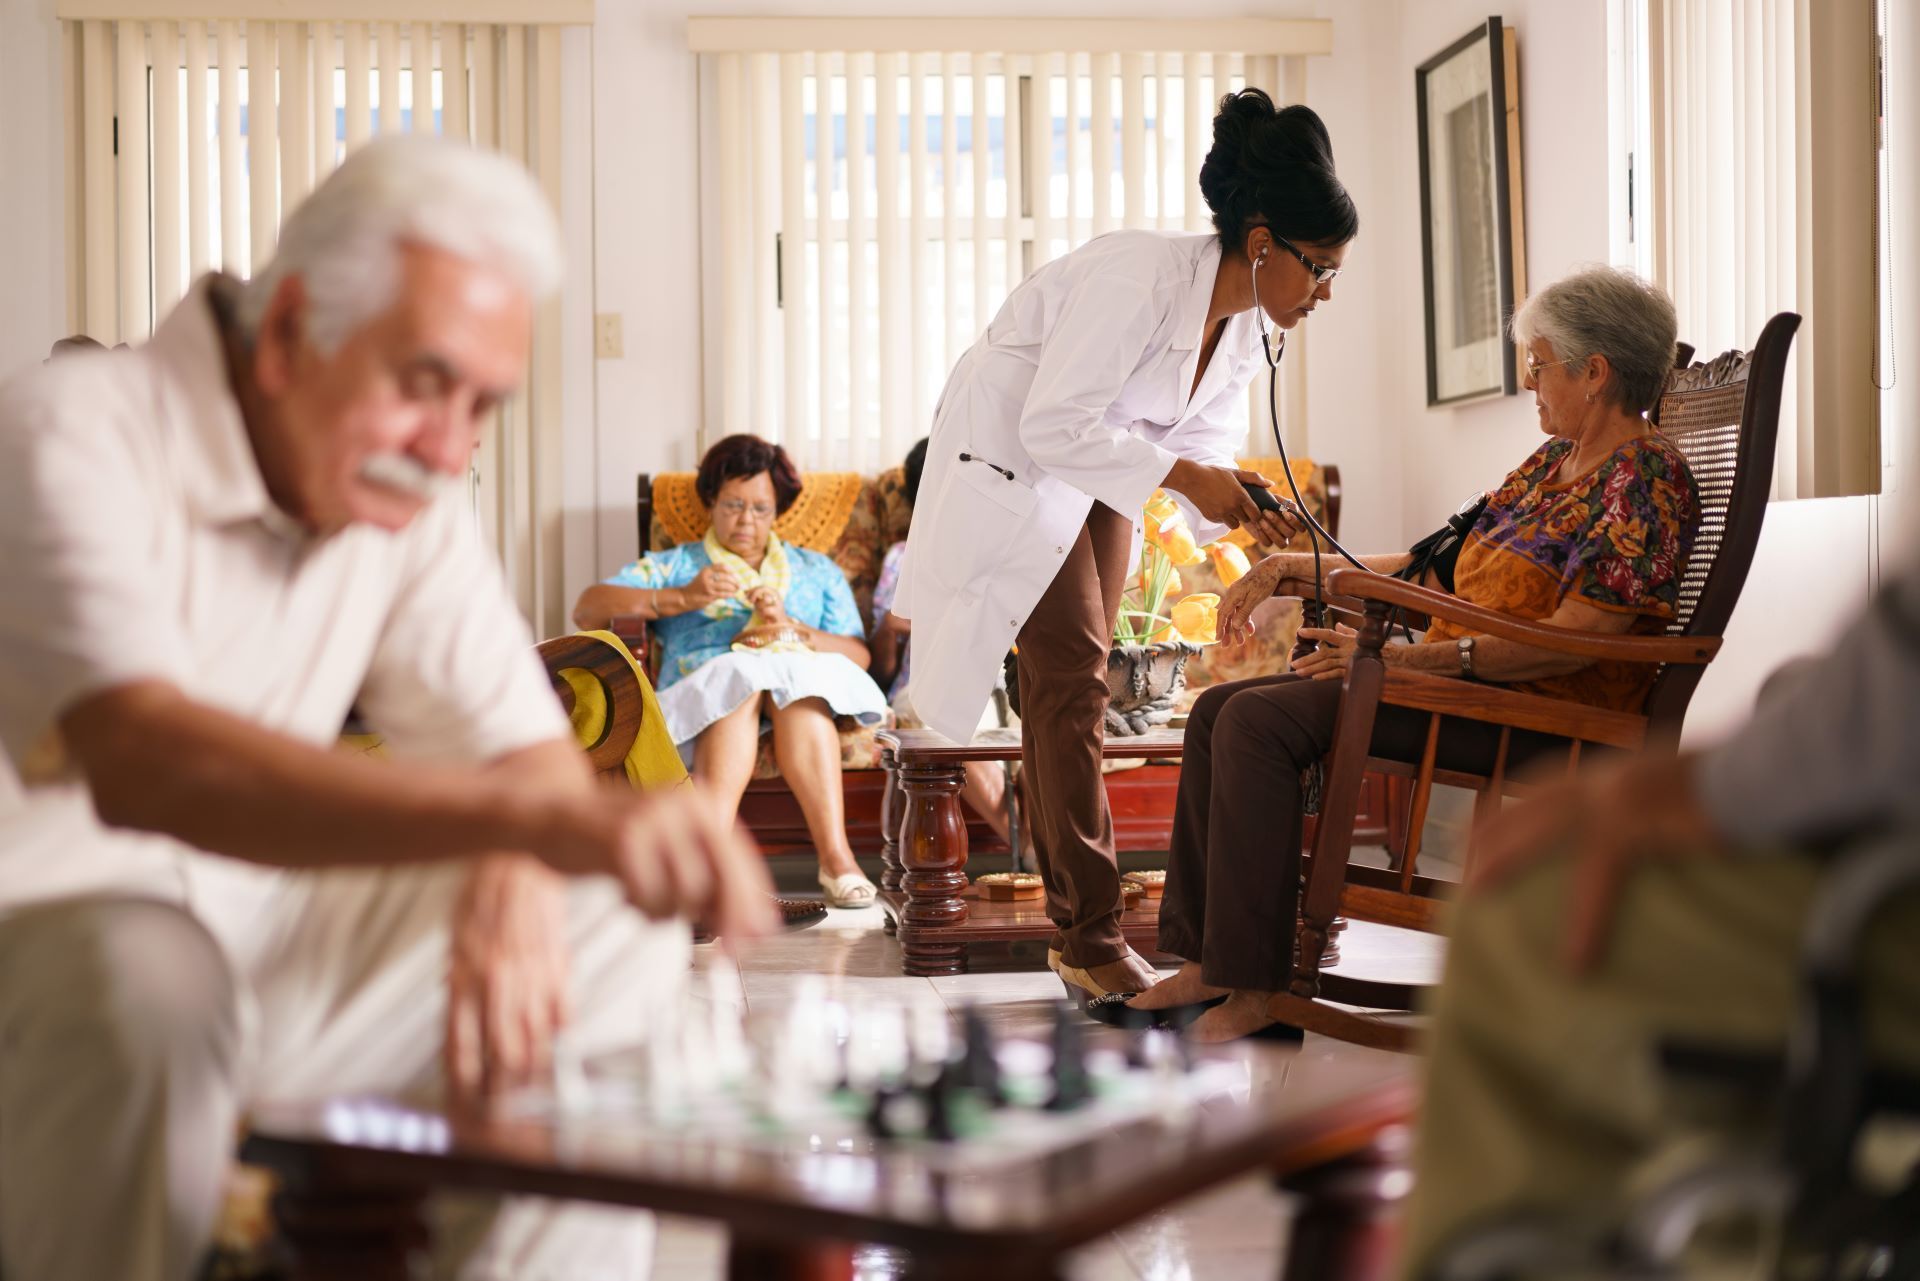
(344, 240)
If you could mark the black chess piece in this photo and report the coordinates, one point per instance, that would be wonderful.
(939, 1108)
(978, 1067)
(1071, 1087)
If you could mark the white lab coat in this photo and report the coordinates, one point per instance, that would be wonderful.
(1079, 388)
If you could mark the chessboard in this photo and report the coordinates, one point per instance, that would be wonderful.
(867, 1077)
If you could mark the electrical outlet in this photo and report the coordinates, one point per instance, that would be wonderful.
(607, 341)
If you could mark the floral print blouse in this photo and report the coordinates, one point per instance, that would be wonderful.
(1617, 538)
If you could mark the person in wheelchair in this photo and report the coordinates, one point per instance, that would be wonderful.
(1591, 531)
(1660, 905)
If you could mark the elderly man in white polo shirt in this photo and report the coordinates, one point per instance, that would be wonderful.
(209, 548)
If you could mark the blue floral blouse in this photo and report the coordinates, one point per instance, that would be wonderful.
(817, 596)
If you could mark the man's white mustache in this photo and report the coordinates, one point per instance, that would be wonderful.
(406, 474)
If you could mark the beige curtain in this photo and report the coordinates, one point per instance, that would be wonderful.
(845, 290)
(190, 139)
(1763, 131)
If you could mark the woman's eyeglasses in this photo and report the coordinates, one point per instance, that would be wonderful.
(1535, 366)
(1321, 275)
(734, 507)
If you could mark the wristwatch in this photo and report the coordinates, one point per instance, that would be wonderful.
(1465, 645)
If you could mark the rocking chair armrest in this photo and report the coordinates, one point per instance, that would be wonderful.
(632, 631)
(1380, 589)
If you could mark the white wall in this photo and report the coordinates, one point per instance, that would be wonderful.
(1454, 452)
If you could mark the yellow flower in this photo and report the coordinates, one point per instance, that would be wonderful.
(1176, 540)
(1229, 562)
(1239, 538)
(1167, 529)
(1196, 617)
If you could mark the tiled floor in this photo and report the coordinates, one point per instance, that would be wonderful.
(1233, 1233)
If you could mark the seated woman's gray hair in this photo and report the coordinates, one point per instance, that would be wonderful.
(1603, 311)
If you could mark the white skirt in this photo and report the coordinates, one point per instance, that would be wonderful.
(720, 685)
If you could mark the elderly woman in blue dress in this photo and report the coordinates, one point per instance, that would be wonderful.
(756, 635)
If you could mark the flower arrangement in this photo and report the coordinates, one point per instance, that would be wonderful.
(1145, 616)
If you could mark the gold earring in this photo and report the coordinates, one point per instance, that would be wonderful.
(1589, 398)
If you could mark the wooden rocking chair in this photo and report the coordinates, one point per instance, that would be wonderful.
(1723, 417)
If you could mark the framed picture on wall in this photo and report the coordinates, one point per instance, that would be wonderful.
(1468, 96)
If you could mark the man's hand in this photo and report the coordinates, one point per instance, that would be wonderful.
(1608, 820)
(507, 975)
(676, 852)
(709, 585)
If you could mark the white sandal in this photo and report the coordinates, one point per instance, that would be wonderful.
(849, 889)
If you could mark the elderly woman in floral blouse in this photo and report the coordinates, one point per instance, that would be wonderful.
(756, 634)
(1591, 531)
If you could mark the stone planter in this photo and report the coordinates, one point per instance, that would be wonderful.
(1144, 681)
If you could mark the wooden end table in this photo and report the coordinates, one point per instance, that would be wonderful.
(923, 887)
(356, 1175)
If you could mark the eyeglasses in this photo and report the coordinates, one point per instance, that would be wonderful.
(1535, 366)
(1321, 275)
(734, 507)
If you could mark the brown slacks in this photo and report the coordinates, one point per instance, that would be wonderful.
(1063, 702)
(1233, 874)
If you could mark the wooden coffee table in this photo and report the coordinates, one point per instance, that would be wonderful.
(924, 888)
(356, 1174)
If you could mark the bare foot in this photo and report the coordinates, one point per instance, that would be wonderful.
(1241, 1014)
(1182, 987)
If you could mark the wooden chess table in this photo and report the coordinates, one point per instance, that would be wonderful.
(356, 1174)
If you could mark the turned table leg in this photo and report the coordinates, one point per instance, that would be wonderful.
(933, 860)
(362, 1235)
(890, 814)
(1347, 1224)
(755, 1260)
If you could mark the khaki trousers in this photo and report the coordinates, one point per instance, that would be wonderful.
(1063, 704)
(130, 1043)
(1543, 1090)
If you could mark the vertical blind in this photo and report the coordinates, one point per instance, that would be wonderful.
(1763, 128)
(877, 206)
(190, 140)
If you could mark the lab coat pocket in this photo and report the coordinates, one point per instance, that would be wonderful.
(1004, 490)
(982, 516)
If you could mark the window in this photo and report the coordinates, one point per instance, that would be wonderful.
(1764, 141)
(874, 209)
(189, 140)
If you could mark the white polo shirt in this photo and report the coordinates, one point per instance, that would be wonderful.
(137, 542)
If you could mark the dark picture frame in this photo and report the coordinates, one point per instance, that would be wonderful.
(1471, 218)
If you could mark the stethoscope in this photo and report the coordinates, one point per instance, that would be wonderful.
(1315, 530)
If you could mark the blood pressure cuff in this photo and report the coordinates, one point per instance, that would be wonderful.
(1440, 550)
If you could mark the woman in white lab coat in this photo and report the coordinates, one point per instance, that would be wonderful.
(1109, 373)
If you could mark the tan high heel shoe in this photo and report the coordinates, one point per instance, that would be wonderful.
(1081, 984)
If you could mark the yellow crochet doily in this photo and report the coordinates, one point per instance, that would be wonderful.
(815, 521)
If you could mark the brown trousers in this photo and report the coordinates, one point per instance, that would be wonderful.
(1063, 703)
(1233, 874)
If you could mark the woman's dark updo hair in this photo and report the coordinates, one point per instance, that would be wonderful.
(1274, 166)
(740, 457)
(916, 464)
